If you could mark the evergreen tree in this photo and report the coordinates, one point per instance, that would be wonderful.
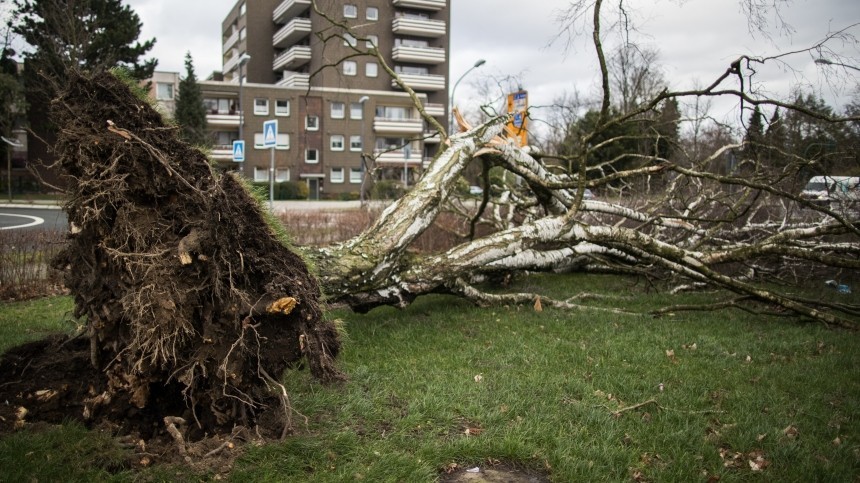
(190, 111)
(754, 138)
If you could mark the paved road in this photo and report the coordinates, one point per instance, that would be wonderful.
(27, 218)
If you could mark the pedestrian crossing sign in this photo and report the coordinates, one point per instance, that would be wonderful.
(238, 151)
(270, 133)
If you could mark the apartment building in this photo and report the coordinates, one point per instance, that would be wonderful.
(332, 99)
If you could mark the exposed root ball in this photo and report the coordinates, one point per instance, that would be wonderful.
(188, 294)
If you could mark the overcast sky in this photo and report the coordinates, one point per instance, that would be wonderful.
(697, 39)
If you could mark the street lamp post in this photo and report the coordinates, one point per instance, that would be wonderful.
(479, 63)
(822, 61)
(12, 144)
(361, 195)
(242, 61)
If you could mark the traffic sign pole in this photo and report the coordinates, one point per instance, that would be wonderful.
(270, 140)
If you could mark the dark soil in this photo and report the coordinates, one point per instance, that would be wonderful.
(194, 307)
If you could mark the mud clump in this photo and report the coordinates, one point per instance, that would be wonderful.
(194, 307)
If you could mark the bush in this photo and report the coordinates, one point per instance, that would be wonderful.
(286, 190)
(387, 190)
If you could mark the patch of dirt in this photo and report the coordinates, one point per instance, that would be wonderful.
(491, 473)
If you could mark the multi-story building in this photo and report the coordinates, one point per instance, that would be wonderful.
(331, 96)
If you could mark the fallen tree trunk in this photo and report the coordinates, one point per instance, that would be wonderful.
(194, 305)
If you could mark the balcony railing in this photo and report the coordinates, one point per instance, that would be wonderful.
(397, 157)
(431, 137)
(296, 56)
(419, 27)
(222, 152)
(419, 55)
(231, 41)
(398, 126)
(289, 9)
(295, 79)
(222, 120)
(296, 29)
(231, 64)
(422, 82)
(435, 109)
(434, 5)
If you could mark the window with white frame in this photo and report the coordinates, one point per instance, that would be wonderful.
(282, 107)
(336, 175)
(282, 175)
(242, 34)
(356, 110)
(372, 41)
(349, 40)
(242, 9)
(371, 69)
(350, 67)
(164, 91)
(261, 174)
(259, 143)
(336, 142)
(355, 143)
(261, 107)
(312, 123)
(312, 156)
(350, 11)
(283, 141)
(355, 175)
(372, 13)
(337, 110)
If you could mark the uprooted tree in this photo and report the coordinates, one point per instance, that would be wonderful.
(190, 295)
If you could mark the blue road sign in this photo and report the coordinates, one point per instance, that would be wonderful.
(238, 151)
(270, 133)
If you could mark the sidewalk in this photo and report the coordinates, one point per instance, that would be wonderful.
(36, 204)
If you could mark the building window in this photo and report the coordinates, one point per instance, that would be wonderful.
(409, 69)
(282, 142)
(372, 13)
(164, 91)
(371, 69)
(355, 175)
(350, 67)
(282, 107)
(349, 40)
(355, 143)
(372, 41)
(312, 123)
(261, 174)
(394, 113)
(350, 11)
(220, 106)
(337, 110)
(337, 142)
(282, 175)
(312, 156)
(356, 110)
(242, 9)
(242, 34)
(336, 175)
(261, 107)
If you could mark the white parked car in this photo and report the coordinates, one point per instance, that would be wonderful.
(832, 189)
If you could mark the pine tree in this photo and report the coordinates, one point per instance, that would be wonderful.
(754, 138)
(190, 111)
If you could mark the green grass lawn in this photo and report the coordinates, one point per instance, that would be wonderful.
(444, 382)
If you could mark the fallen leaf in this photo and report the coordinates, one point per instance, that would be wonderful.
(670, 353)
(748, 359)
(538, 306)
(790, 432)
(761, 437)
(837, 441)
(479, 378)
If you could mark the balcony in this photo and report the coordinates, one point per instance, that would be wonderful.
(422, 82)
(295, 79)
(418, 27)
(398, 126)
(231, 63)
(223, 120)
(289, 9)
(296, 29)
(431, 137)
(434, 5)
(419, 55)
(397, 157)
(222, 152)
(435, 110)
(231, 41)
(296, 56)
